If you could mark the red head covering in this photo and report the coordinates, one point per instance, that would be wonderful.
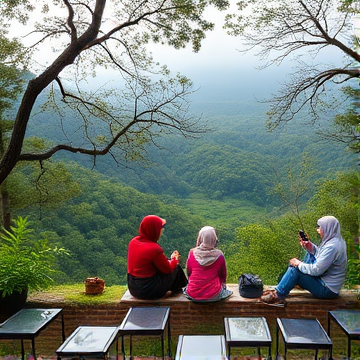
(150, 227)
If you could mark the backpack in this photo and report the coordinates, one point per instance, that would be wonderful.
(250, 286)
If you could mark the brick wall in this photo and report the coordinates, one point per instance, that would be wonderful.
(188, 317)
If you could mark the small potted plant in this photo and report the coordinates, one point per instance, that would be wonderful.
(26, 264)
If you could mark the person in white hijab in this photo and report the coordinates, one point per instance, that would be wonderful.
(323, 270)
(206, 269)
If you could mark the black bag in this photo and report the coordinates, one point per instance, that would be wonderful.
(250, 286)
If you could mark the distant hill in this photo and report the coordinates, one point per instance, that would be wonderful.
(237, 158)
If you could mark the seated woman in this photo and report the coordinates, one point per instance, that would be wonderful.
(206, 269)
(150, 274)
(322, 271)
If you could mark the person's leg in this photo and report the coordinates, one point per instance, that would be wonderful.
(288, 282)
(178, 279)
(316, 287)
(293, 277)
(313, 284)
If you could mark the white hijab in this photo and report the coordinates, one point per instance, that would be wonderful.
(206, 252)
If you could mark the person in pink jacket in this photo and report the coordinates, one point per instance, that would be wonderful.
(206, 269)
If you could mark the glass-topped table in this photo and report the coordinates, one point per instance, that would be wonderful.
(93, 341)
(349, 322)
(302, 334)
(247, 332)
(201, 347)
(27, 324)
(146, 321)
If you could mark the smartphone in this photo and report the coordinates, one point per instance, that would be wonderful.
(303, 235)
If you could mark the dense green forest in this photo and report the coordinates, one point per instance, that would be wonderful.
(256, 187)
(225, 177)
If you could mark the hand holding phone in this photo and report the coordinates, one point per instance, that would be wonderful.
(303, 235)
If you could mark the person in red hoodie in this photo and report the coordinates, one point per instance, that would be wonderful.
(150, 274)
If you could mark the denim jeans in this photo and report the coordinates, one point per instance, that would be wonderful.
(313, 284)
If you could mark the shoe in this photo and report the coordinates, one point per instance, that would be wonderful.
(271, 298)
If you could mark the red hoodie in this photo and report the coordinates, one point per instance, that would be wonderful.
(145, 255)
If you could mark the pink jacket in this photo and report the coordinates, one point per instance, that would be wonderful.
(205, 282)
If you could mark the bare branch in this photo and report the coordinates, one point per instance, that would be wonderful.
(70, 21)
(288, 29)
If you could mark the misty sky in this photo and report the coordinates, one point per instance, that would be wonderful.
(219, 70)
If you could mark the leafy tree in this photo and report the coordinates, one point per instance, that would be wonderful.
(263, 249)
(292, 187)
(28, 184)
(290, 29)
(110, 35)
(11, 81)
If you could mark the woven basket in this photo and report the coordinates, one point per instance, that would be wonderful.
(94, 286)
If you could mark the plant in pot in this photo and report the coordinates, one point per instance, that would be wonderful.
(26, 264)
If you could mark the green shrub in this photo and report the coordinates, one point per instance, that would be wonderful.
(26, 262)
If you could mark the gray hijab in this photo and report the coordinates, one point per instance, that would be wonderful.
(331, 228)
(206, 252)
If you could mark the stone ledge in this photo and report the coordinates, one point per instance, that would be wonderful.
(296, 296)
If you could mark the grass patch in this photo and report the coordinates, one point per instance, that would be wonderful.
(75, 294)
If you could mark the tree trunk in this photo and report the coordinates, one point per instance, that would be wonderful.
(5, 209)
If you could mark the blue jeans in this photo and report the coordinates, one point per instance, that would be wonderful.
(313, 284)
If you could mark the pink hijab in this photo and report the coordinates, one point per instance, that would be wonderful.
(206, 252)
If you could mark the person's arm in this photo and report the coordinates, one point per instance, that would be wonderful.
(162, 263)
(323, 262)
(222, 270)
(189, 263)
(308, 246)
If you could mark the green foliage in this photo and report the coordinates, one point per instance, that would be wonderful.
(229, 172)
(339, 196)
(42, 186)
(292, 186)
(26, 263)
(262, 249)
(97, 226)
(11, 79)
(346, 123)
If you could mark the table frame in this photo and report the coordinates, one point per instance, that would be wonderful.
(351, 335)
(249, 342)
(123, 331)
(301, 345)
(30, 335)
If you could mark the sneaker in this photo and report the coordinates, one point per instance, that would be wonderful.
(271, 298)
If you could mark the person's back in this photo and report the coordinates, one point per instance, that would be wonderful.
(150, 274)
(206, 269)
(205, 282)
(144, 255)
